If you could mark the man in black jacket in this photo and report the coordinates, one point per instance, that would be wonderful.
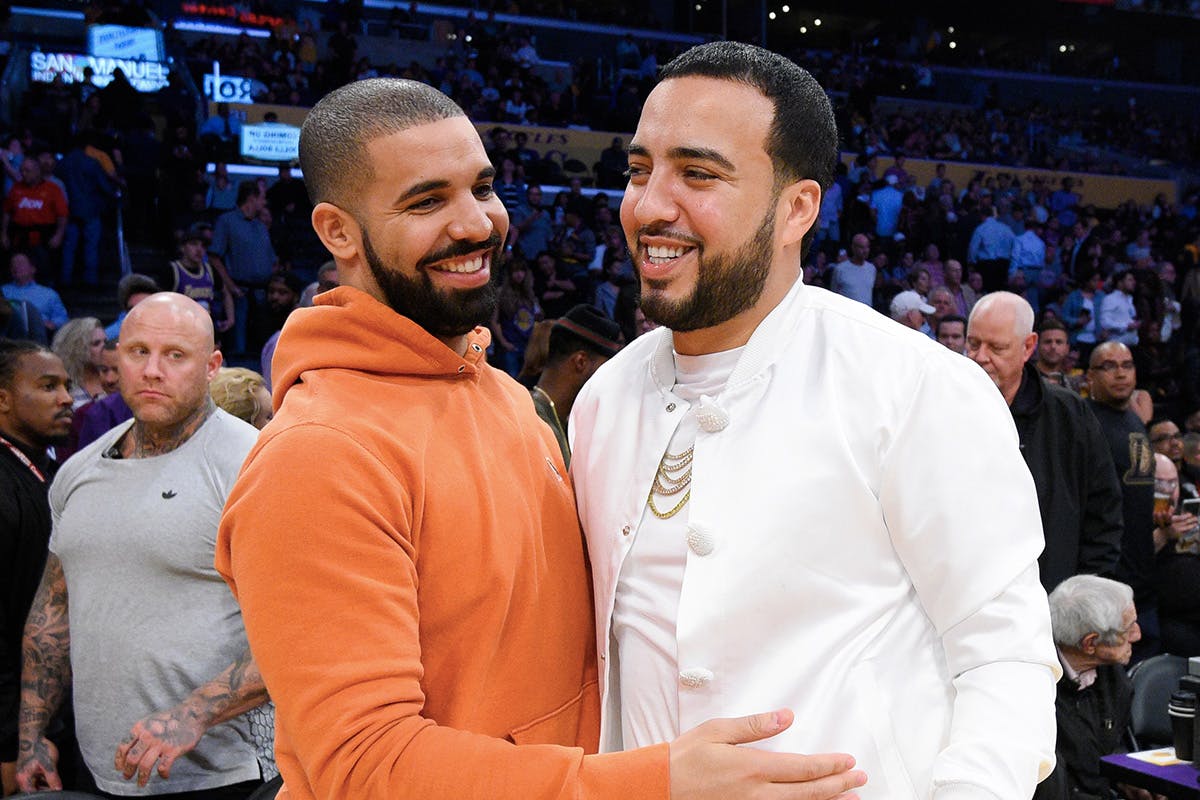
(35, 412)
(1063, 445)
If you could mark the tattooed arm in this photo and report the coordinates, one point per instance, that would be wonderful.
(45, 676)
(166, 735)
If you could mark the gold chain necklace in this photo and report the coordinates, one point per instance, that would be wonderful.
(671, 479)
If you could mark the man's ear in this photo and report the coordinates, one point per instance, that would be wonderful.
(6, 401)
(801, 205)
(1089, 643)
(337, 230)
(581, 362)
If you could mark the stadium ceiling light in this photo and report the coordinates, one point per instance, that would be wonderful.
(1062, 48)
(786, 9)
(953, 45)
(771, 15)
(803, 29)
(817, 21)
(950, 29)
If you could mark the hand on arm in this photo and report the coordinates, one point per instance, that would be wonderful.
(45, 676)
(706, 764)
(166, 735)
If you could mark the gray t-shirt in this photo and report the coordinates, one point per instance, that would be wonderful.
(150, 617)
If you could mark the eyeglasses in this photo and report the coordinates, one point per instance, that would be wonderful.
(1167, 437)
(1113, 366)
(1165, 486)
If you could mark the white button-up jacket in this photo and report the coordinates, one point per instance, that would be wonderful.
(863, 541)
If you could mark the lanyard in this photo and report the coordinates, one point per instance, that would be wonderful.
(24, 459)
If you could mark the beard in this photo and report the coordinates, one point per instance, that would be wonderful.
(726, 284)
(442, 313)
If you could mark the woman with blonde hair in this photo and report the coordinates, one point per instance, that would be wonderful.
(80, 345)
(243, 393)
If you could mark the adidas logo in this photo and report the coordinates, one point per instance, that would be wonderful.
(167, 495)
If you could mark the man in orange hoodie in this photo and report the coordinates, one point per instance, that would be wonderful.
(403, 538)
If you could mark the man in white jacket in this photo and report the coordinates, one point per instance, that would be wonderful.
(789, 499)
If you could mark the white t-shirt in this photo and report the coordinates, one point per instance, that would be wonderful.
(651, 579)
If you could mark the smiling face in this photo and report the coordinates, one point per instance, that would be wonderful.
(701, 211)
(430, 227)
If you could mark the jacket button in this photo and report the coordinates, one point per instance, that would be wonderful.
(701, 542)
(462, 368)
(670, 407)
(696, 678)
(626, 530)
(712, 418)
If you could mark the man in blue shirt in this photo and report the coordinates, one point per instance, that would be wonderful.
(23, 287)
(991, 250)
(241, 252)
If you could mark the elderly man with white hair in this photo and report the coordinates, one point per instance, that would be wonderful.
(1095, 625)
(1061, 440)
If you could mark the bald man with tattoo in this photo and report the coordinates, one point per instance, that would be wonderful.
(130, 613)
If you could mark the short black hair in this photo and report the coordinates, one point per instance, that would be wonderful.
(11, 353)
(246, 190)
(950, 318)
(803, 139)
(334, 136)
(135, 283)
(1159, 419)
(1051, 324)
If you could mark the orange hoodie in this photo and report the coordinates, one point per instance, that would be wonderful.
(404, 546)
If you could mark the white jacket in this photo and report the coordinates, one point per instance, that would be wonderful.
(863, 542)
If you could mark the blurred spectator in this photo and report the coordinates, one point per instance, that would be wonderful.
(243, 393)
(283, 297)
(222, 191)
(34, 216)
(516, 313)
(580, 342)
(79, 344)
(191, 274)
(1117, 318)
(24, 287)
(90, 191)
(243, 256)
(327, 280)
(1177, 566)
(951, 332)
(1112, 379)
(854, 276)
(131, 290)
